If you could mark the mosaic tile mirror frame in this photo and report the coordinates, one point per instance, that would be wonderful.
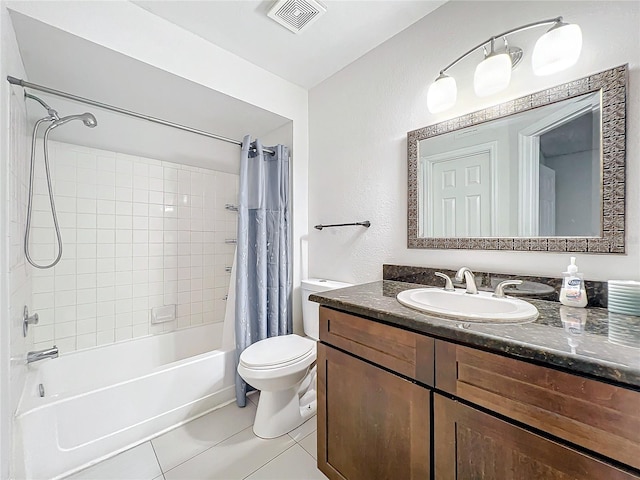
(611, 84)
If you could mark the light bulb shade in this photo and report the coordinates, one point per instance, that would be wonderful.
(492, 75)
(557, 49)
(442, 94)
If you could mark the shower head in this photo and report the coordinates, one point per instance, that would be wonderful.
(87, 118)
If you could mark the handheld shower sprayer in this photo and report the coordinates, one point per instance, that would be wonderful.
(90, 121)
(87, 118)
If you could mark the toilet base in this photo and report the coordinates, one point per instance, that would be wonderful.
(281, 411)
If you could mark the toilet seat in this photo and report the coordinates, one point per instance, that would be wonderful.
(277, 352)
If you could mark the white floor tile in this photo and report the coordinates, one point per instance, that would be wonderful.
(254, 397)
(235, 458)
(195, 437)
(305, 429)
(139, 463)
(310, 444)
(294, 464)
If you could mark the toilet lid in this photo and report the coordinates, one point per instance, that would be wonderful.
(276, 351)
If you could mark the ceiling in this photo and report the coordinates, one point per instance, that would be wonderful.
(348, 30)
(62, 61)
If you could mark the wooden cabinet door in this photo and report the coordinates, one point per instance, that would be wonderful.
(372, 424)
(598, 416)
(470, 444)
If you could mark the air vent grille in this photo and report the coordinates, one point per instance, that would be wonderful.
(296, 15)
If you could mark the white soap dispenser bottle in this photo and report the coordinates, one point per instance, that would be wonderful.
(573, 293)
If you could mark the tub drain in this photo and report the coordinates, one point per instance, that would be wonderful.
(41, 389)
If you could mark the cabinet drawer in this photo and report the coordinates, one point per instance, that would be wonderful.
(601, 417)
(399, 350)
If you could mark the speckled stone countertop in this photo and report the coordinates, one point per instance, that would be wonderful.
(605, 346)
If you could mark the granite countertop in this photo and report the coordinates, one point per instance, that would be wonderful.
(605, 346)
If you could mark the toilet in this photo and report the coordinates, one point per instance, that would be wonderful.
(280, 367)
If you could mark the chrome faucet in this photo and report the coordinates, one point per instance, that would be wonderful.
(469, 279)
(499, 293)
(42, 354)
(448, 286)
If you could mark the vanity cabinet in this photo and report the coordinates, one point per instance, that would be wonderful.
(598, 416)
(373, 423)
(393, 403)
(471, 444)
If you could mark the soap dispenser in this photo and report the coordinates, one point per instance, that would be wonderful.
(573, 293)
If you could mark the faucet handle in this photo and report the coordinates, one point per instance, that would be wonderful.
(28, 320)
(448, 286)
(499, 293)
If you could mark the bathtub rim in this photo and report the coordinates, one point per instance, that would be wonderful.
(33, 402)
(21, 412)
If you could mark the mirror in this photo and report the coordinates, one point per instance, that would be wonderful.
(541, 172)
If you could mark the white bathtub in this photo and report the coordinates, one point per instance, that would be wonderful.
(101, 401)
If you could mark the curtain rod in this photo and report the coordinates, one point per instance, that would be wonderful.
(34, 86)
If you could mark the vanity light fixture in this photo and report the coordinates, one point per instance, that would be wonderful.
(556, 50)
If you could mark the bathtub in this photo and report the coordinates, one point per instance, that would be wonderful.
(101, 401)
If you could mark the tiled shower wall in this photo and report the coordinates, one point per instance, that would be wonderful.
(137, 233)
(20, 278)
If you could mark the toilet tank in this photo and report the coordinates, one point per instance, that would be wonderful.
(310, 310)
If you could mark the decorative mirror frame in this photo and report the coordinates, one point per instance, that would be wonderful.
(612, 86)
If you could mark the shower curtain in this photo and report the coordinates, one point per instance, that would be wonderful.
(263, 283)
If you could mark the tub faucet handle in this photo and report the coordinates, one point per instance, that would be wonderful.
(28, 320)
(448, 285)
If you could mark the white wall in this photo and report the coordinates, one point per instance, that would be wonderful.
(15, 278)
(137, 233)
(130, 30)
(359, 119)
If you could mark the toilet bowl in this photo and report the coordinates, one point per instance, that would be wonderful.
(280, 367)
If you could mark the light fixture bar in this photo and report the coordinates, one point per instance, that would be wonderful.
(493, 38)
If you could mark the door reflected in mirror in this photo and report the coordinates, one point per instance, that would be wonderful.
(535, 173)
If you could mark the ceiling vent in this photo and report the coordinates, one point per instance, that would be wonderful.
(296, 15)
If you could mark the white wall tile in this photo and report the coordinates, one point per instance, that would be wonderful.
(64, 330)
(124, 207)
(106, 178)
(88, 325)
(86, 341)
(87, 280)
(86, 311)
(105, 207)
(86, 235)
(135, 234)
(105, 337)
(123, 333)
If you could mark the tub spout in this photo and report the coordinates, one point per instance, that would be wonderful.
(42, 354)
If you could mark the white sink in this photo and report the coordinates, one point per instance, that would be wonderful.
(483, 307)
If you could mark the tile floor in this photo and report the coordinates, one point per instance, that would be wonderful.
(219, 445)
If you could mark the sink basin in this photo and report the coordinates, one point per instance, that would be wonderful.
(483, 307)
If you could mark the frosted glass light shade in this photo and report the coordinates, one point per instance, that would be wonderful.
(492, 75)
(442, 94)
(557, 49)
